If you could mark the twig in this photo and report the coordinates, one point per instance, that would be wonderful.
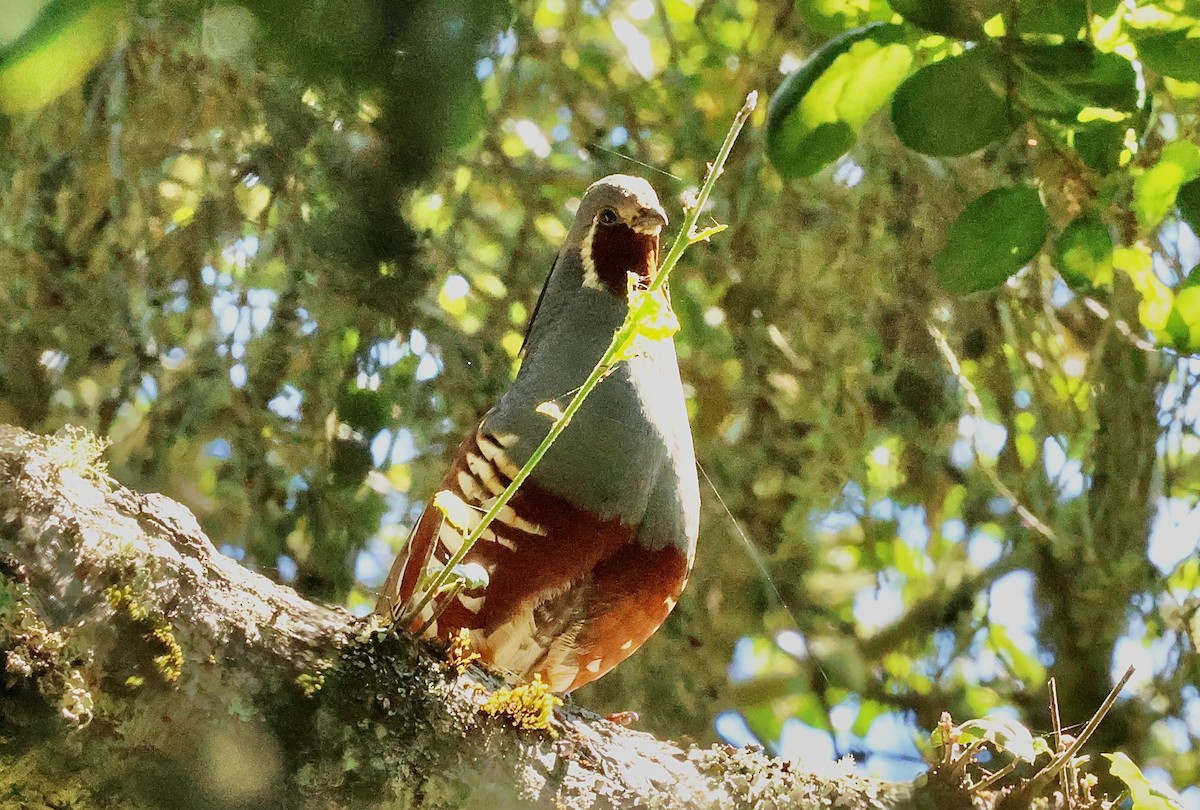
(1043, 777)
(993, 778)
(1065, 780)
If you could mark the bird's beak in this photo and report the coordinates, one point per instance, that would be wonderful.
(650, 221)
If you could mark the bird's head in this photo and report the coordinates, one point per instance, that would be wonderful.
(616, 232)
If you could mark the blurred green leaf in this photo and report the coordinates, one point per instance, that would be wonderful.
(1188, 200)
(993, 238)
(1063, 17)
(1171, 53)
(1157, 301)
(1183, 323)
(1155, 189)
(1100, 144)
(19, 16)
(816, 113)
(1020, 660)
(1060, 81)
(1083, 254)
(365, 410)
(868, 711)
(766, 721)
(832, 17)
(228, 33)
(928, 122)
(960, 19)
(1006, 734)
(54, 55)
(1141, 792)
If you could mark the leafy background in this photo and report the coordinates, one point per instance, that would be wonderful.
(940, 366)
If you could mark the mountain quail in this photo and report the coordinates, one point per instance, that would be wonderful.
(590, 555)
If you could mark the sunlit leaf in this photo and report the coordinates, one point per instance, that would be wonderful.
(1183, 323)
(19, 16)
(1141, 792)
(816, 113)
(1004, 733)
(1062, 81)
(253, 200)
(1020, 660)
(1083, 254)
(993, 238)
(473, 575)
(456, 510)
(868, 711)
(832, 17)
(653, 317)
(1188, 200)
(1155, 189)
(978, 116)
(550, 409)
(1157, 299)
(54, 55)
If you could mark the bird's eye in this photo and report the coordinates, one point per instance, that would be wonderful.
(608, 217)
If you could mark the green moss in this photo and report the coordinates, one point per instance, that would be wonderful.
(529, 706)
(121, 596)
(77, 450)
(310, 683)
(170, 663)
(26, 783)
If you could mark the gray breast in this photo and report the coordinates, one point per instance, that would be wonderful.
(628, 452)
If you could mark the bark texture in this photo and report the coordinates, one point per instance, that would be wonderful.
(146, 669)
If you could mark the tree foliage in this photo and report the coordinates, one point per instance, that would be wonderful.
(940, 362)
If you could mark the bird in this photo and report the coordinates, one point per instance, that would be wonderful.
(591, 554)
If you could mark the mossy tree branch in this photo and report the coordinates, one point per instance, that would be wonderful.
(146, 669)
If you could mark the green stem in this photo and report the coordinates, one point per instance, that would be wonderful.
(684, 238)
(609, 359)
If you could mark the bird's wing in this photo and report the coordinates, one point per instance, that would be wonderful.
(539, 554)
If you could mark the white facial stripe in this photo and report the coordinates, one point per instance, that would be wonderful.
(590, 278)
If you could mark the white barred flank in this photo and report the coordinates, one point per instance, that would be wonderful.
(488, 473)
(495, 454)
(485, 473)
(469, 487)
